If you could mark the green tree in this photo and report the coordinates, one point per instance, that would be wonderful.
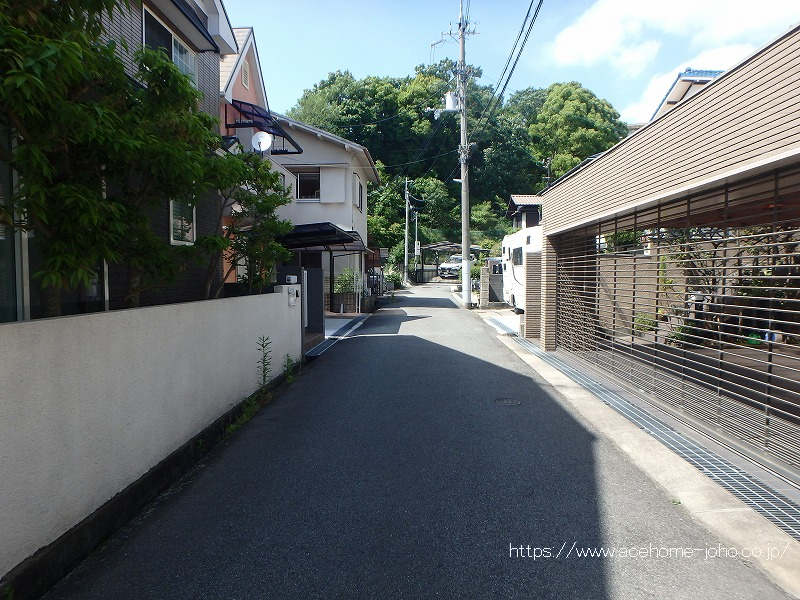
(169, 155)
(250, 192)
(573, 124)
(95, 153)
(61, 92)
(526, 104)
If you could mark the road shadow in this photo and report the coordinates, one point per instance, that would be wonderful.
(394, 467)
(387, 321)
(413, 300)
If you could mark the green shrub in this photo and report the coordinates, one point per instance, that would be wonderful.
(393, 274)
(345, 282)
(475, 270)
(644, 322)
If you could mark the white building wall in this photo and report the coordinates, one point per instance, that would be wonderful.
(90, 403)
(337, 166)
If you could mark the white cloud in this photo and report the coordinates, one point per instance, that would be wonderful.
(722, 58)
(626, 33)
(634, 59)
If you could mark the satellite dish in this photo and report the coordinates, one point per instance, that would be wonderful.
(262, 141)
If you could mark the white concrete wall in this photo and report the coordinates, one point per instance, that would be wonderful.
(90, 403)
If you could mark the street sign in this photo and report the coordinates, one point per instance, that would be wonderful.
(417, 251)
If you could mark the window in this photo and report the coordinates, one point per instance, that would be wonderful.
(358, 193)
(182, 219)
(157, 35)
(528, 240)
(516, 257)
(184, 60)
(308, 186)
(246, 74)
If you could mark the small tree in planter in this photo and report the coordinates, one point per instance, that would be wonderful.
(344, 290)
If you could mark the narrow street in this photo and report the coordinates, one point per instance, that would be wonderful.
(405, 462)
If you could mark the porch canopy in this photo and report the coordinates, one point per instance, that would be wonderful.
(322, 237)
(453, 247)
(252, 115)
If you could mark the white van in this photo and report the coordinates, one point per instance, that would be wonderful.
(515, 246)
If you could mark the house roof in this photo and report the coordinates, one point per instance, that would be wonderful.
(686, 84)
(517, 201)
(525, 199)
(322, 134)
(230, 65)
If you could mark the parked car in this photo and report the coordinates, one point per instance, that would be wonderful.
(452, 267)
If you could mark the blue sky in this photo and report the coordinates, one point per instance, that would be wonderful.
(626, 51)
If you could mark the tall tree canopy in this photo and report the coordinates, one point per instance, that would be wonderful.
(573, 124)
(511, 141)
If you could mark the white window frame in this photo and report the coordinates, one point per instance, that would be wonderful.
(358, 193)
(175, 38)
(172, 240)
(297, 186)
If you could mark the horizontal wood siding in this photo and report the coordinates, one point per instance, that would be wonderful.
(745, 116)
(533, 294)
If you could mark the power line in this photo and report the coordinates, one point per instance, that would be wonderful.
(494, 99)
(491, 107)
(508, 60)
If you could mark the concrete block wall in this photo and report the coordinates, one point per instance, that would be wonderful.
(483, 299)
(90, 403)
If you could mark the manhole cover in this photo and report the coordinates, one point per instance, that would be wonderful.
(508, 401)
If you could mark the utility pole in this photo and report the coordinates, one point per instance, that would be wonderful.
(405, 261)
(466, 287)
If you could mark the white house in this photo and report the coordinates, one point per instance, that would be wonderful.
(330, 186)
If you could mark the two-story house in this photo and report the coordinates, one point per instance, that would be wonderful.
(194, 33)
(330, 180)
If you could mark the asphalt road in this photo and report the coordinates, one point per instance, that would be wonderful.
(404, 463)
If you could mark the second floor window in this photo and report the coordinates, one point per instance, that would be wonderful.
(308, 186)
(157, 35)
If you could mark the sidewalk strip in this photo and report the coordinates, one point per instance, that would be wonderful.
(771, 504)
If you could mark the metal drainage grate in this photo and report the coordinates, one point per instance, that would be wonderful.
(774, 506)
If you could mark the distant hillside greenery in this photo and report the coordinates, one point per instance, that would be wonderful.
(564, 123)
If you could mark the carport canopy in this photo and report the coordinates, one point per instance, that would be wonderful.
(322, 237)
(453, 247)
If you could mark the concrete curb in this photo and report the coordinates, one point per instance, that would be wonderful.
(716, 509)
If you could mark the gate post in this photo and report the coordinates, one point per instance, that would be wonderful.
(533, 295)
(549, 282)
(483, 298)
